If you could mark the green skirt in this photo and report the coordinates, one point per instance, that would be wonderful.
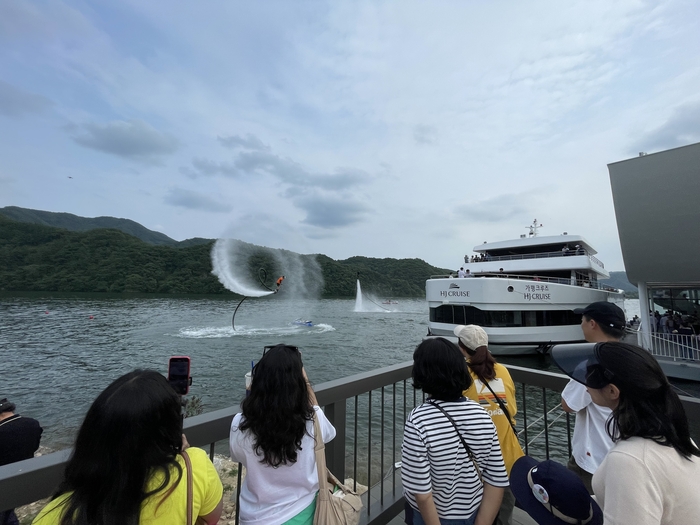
(305, 517)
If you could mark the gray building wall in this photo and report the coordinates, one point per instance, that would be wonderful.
(657, 205)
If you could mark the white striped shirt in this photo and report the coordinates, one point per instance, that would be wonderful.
(434, 460)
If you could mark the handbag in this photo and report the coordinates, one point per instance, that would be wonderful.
(333, 507)
(188, 464)
(464, 443)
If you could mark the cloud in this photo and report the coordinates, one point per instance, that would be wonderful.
(133, 139)
(682, 128)
(293, 173)
(210, 167)
(501, 208)
(424, 134)
(249, 142)
(195, 201)
(17, 103)
(330, 213)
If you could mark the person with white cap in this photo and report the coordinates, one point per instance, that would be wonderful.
(600, 321)
(494, 390)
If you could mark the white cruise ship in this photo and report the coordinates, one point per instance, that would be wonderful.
(522, 292)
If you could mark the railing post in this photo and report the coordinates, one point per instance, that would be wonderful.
(335, 450)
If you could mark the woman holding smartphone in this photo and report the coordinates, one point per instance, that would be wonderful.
(129, 466)
(651, 476)
(273, 437)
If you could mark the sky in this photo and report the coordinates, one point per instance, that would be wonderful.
(404, 129)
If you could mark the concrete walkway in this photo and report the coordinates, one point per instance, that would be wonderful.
(520, 517)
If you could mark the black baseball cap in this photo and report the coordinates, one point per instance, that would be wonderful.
(581, 362)
(605, 313)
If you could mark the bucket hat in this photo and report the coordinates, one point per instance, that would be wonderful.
(552, 494)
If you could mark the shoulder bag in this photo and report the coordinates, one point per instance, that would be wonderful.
(341, 507)
(464, 443)
(502, 405)
(188, 464)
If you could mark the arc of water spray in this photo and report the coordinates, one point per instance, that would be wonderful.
(262, 274)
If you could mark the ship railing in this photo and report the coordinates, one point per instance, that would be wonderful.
(368, 411)
(555, 280)
(673, 346)
(540, 255)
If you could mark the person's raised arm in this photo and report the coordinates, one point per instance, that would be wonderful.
(312, 394)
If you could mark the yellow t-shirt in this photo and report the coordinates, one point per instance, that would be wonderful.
(206, 494)
(504, 388)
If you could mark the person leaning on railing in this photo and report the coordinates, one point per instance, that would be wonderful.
(128, 466)
(452, 468)
(273, 437)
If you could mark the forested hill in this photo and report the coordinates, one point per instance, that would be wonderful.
(71, 222)
(36, 257)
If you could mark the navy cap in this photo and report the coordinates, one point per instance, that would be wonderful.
(552, 494)
(605, 313)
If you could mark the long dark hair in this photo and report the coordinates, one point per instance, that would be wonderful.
(132, 430)
(439, 369)
(481, 362)
(278, 407)
(648, 406)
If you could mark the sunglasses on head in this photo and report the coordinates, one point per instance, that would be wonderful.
(266, 348)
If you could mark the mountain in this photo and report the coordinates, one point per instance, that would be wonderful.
(619, 280)
(71, 222)
(37, 257)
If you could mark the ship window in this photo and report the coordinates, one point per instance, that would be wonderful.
(459, 314)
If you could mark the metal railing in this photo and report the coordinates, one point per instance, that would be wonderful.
(368, 411)
(678, 347)
(541, 255)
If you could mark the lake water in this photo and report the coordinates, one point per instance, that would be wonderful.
(59, 352)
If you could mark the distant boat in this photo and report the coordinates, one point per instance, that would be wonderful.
(302, 322)
(390, 302)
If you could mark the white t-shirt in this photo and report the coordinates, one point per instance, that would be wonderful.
(591, 441)
(644, 483)
(271, 496)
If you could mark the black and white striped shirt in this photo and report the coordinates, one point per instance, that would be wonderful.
(434, 460)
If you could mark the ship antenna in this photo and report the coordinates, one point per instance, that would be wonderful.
(533, 228)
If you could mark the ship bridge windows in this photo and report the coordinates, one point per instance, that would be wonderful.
(460, 314)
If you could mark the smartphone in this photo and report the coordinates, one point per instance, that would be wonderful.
(179, 374)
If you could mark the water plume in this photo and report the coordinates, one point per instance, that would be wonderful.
(236, 264)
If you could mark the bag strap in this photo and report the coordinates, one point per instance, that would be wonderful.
(320, 449)
(464, 443)
(188, 465)
(502, 405)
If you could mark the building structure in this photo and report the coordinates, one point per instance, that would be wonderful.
(658, 221)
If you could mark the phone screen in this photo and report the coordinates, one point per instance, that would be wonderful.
(179, 374)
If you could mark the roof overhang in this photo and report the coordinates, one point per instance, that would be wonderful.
(657, 206)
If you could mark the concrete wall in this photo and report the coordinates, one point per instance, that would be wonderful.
(657, 204)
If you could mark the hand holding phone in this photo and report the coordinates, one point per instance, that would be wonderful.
(179, 374)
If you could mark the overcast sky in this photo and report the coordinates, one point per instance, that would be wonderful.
(380, 128)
